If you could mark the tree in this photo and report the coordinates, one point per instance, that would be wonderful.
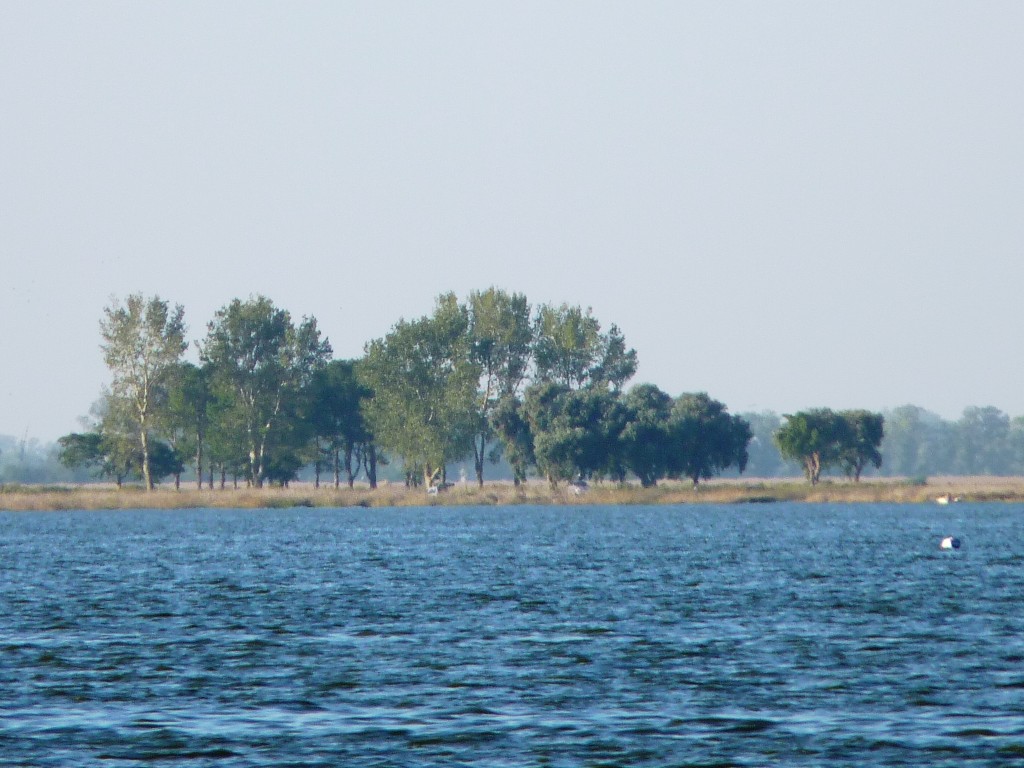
(982, 444)
(646, 445)
(764, 459)
(513, 429)
(188, 412)
(142, 340)
(814, 438)
(112, 449)
(500, 341)
(862, 439)
(424, 385)
(576, 433)
(707, 439)
(570, 350)
(918, 443)
(260, 359)
(82, 450)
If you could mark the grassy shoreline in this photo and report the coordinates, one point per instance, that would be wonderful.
(89, 497)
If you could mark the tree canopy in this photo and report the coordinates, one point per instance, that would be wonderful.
(488, 378)
(142, 340)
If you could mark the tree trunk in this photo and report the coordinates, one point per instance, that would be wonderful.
(147, 480)
(371, 466)
(478, 460)
(199, 464)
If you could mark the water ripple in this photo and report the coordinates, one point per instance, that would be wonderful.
(634, 636)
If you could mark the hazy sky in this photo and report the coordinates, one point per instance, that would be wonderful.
(785, 204)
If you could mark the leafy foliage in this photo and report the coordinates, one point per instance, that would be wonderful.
(707, 439)
(142, 341)
(424, 385)
(260, 362)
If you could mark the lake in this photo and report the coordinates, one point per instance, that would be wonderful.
(756, 635)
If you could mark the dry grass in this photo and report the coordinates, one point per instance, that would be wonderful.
(716, 492)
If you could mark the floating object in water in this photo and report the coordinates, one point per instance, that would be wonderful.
(950, 542)
(946, 498)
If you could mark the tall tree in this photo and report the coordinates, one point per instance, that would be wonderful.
(424, 385)
(500, 344)
(513, 430)
(261, 359)
(569, 349)
(188, 413)
(142, 341)
(338, 417)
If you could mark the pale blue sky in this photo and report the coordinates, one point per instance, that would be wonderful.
(786, 204)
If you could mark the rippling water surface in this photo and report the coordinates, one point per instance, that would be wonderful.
(632, 636)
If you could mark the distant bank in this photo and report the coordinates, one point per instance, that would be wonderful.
(85, 497)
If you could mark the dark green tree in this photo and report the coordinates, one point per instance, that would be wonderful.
(187, 417)
(707, 438)
(576, 433)
(862, 440)
(513, 430)
(83, 450)
(338, 403)
(646, 444)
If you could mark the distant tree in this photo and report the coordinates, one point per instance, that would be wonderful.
(164, 461)
(142, 341)
(813, 438)
(555, 437)
(82, 450)
(576, 433)
(424, 385)
(764, 459)
(861, 441)
(982, 444)
(1015, 444)
(112, 450)
(513, 429)
(570, 350)
(338, 417)
(259, 360)
(918, 443)
(187, 417)
(707, 438)
(500, 344)
(647, 446)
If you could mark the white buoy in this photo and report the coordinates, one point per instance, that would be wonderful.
(950, 542)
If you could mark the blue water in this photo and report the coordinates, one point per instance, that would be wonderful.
(630, 636)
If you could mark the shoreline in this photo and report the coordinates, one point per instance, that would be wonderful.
(893, 491)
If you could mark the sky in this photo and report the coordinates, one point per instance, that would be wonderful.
(786, 205)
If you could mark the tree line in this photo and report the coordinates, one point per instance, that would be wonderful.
(488, 378)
